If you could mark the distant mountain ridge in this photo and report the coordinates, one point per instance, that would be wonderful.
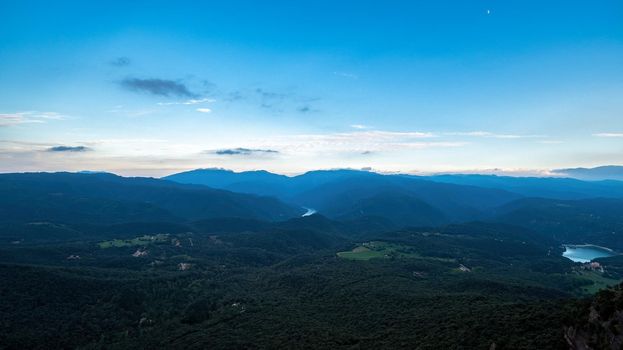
(557, 208)
(404, 200)
(606, 172)
(544, 187)
(75, 197)
(223, 179)
(352, 194)
(267, 183)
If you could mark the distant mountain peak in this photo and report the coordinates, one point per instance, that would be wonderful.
(605, 172)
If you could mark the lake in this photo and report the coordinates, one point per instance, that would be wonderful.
(586, 253)
(309, 212)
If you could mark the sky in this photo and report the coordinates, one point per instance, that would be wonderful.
(153, 88)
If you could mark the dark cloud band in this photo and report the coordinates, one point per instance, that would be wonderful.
(160, 87)
(243, 151)
(68, 149)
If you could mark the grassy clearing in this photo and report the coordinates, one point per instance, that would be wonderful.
(138, 241)
(377, 249)
(599, 281)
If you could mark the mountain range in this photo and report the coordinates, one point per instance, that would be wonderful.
(219, 259)
(606, 172)
(341, 195)
(407, 200)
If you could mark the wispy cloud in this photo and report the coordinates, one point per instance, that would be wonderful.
(359, 126)
(387, 135)
(357, 142)
(140, 147)
(346, 75)
(550, 142)
(204, 110)
(273, 100)
(192, 101)
(68, 149)
(130, 112)
(272, 95)
(491, 135)
(159, 87)
(516, 172)
(234, 96)
(242, 151)
(28, 117)
(609, 134)
(307, 109)
(120, 62)
(468, 133)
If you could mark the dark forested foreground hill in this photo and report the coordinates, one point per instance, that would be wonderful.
(97, 261)
(294, 286)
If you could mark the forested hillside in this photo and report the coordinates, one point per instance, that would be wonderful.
(98, 261)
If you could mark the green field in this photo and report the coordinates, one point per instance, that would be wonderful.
(599, 282)
(138, 241)
(378, 249)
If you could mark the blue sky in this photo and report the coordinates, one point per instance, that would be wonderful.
(151, 88)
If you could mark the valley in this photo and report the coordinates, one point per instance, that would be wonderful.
(257, 275)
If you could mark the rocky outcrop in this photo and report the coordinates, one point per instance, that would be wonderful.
(600, 325)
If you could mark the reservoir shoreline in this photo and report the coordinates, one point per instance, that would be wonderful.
(584, 253)
(586, 245)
